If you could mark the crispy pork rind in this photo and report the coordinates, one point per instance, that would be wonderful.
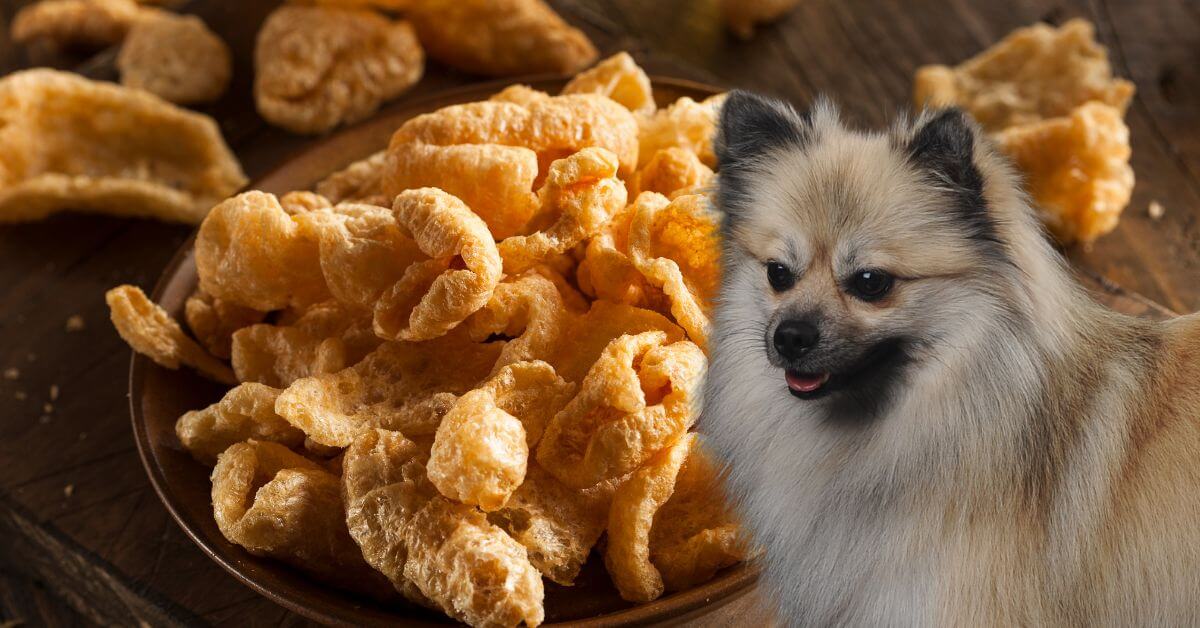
(1034, 73)
(608, 273)
(580, 195)
(360, 182)
(635, 401)
(176, 57)
(277, 503)
(685, 124)
(675, 247)
(318, 67)
(253, 252)
(326, 338)
(671, 172)
(518, 94)
(150, 331)
(89, 146)
(75, 24)
(553, 128)
(246, 412)
(213, 321)
(500, 37)
(620, 78)
(434, 296)
(668, 528)
(405, 386)
(742, 16)
(432, 548)
(1076, 168)
(481, 449)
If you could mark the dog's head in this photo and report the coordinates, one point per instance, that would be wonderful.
(850, 257)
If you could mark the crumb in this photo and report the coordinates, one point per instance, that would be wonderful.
(44, 419)
(12, 373)
(47, 407)
(75, 323)
(53, 392)
(68, 491)
(1156, 210)
(83, 436)
(30, 357)
(20, 395)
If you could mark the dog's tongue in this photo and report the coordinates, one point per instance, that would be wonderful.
(805, 382)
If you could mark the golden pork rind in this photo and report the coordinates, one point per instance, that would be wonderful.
(635, 401)
(675, 248)
(75, 24)
(1076, 169)
(608, 273)
(620, 78)
(580, 195)
(741, 16)
(672, 172)
(500, 37)
(668, 528)
(325, 338)
(685, 124)
(277, 503)
(251, 251)
(434, 296)
(553, 128)
(481, 449)
(1034, 73)
(150, 331)
(318, 67)
(518, 94)
(90, 146)
(176, 57)
(246, 412)
(405, 386)
(430, 547)
(213, 321)
(360, 182)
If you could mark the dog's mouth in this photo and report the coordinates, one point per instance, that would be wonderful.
(806, 385)
(884, 358)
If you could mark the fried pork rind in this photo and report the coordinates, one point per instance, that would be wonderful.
(326, 338)
(434, 296)
(213, 321)
(360, 182)
(432, 548)
(1034, 73)
(635, 401)
(318, 67)
(672, 171)
(405, 386)
(741, 16)
(500, 37)
(553, 128)
(277, 503)
(580, 195)
(246, 412)
(606, 271)
(150, 331)
(253, 252)
(518, 94)
(675, 247)
(77, 144)
(481, 450)
(75, 24)
(685, 124)
(176, 57)
(620, 78)
(1076, 168)
(668, 528)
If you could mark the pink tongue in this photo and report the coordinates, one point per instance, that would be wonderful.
(805, 383)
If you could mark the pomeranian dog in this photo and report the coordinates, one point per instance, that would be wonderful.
(924, 420)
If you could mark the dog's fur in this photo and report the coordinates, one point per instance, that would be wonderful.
(1024, 457)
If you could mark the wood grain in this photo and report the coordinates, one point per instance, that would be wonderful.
(84, 539)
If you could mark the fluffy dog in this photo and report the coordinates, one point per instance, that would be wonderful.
(925, 421)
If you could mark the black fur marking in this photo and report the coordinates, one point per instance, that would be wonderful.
(751, 126)
(945, 147)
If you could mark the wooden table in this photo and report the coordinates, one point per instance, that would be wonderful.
(83, 537)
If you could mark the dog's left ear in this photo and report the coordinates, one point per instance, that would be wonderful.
(751, 127)
(944, 145)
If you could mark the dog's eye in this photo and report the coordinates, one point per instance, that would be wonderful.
(869, 285)
(779, 276)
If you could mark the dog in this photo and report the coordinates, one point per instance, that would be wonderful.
(922, 418)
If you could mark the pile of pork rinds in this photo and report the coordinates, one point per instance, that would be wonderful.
(458, 363)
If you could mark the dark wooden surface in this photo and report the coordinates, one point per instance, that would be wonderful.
(83, 538)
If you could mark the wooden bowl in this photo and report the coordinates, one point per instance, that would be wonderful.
(159, 396)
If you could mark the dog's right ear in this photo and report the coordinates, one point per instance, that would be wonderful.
(751, 126)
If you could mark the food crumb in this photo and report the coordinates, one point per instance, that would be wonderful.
(68, 491)
(30, 357)
(53, 392)
(44, 419)
(1156, 210)
(75, 323)
(12, 373)
(47, 407)
(20, 395)
(83, 436)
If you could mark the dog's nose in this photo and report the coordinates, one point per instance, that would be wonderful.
(795, 338)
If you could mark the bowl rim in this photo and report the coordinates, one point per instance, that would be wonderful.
(732, 583)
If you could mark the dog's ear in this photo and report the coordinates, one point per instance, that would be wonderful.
(943, 145)
(751, 126)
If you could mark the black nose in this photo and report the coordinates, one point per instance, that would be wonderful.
(795, 338)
